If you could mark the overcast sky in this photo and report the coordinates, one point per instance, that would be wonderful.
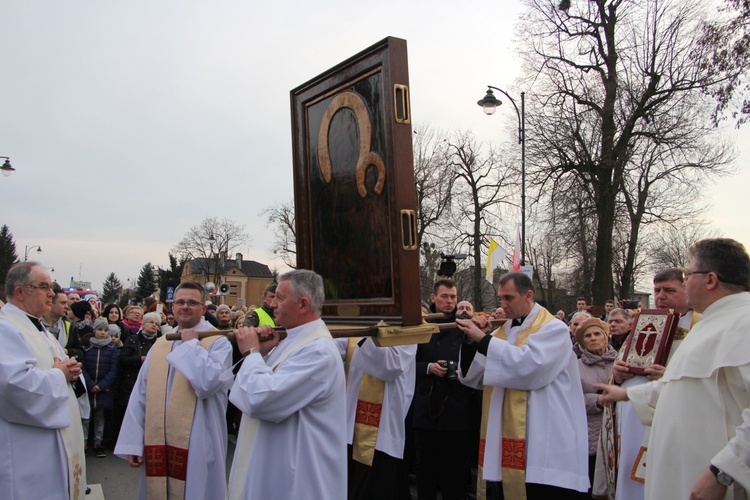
(130, 121)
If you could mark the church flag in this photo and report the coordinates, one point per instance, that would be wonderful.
(495, 255)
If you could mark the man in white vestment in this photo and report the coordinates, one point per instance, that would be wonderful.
(292, 439)
(42, 452)
(699, 410)
(379, 390)
(669, 293)
(183, 383)
(534, 433)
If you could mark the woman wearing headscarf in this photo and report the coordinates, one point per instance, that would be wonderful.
(595, 366)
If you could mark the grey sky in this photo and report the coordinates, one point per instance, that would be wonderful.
(130, 121)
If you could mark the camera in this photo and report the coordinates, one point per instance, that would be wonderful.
(448, 265)
(452, 373)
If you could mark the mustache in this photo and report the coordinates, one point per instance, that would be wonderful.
(464, 315)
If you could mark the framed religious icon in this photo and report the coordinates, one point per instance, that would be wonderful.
(651, 339)
(354, 190)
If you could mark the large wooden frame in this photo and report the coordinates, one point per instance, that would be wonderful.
(355, 198)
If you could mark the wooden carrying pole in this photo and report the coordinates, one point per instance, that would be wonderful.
(383, 334)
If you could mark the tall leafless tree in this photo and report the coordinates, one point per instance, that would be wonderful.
(599, 74)
(210, 244)
(280, 219)
(477, 200)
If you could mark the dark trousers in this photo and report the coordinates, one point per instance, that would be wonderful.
(384, 480)
(442, 462)
(533, 492)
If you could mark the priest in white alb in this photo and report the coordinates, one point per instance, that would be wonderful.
(699, 410)
(379, 389)
(534, 436)
(175, 424)
(42, 452)
(292, 439)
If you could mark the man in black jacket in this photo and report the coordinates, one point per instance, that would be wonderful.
(441, 407)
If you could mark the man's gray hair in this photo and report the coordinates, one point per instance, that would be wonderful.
(622, 312)
(18, 275)
(306, 283)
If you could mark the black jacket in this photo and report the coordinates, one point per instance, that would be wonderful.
(440, 403)
(130, 364)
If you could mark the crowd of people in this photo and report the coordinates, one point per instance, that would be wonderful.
(513, 403)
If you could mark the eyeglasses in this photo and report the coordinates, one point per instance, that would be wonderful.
(687, 274)
(44, 287)
(189, 303)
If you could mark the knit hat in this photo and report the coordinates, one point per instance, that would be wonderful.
(80, 308)
(101, 324)
(222, 307)
(114, 331)
(590, 323)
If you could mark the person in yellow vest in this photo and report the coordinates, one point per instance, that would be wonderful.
(263, 315)
(40, 421)
(534, 438)
(184, 383)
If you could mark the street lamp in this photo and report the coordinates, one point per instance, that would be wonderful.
(7, 169)
(489, 103)
(28, 249)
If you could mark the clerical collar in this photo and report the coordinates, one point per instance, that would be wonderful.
(36, 322)
(518, 321)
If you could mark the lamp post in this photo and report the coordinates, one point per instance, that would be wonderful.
(28, 249)
(489, 103)
(7, 169)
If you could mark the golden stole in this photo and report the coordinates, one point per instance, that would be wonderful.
(514, 424)
(369, 408)
(165, 452)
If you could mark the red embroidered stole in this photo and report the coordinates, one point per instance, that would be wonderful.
(369, 408)
(515, 401)
(165, 452)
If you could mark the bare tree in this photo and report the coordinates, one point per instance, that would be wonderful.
(727, 38)
(434, 180)
(546, 253)
(671, 242)
(280, 218)
(601, 72)
(476, 200)
(208, 246)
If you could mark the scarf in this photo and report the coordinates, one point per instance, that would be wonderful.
(100, 342)
(132, 326)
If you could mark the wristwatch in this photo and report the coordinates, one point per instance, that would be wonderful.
(250, 351)
(722, 477)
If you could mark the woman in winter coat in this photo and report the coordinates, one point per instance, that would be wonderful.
(595, 366)
(132, 355)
